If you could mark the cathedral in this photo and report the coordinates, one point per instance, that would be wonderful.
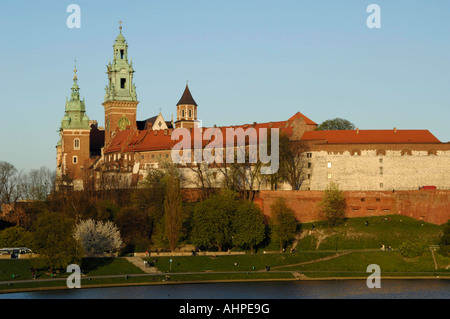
(126, 148)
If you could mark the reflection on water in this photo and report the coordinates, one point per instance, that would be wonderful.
(390, 289)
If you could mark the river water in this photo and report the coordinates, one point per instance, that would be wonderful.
(335, 289)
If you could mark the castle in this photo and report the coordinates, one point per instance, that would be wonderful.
(124, 150)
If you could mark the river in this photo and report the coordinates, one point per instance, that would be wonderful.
(330, 289)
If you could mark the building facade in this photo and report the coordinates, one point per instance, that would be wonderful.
(126, 148)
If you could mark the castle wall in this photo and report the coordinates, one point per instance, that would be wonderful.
(432, 206)
(384, 170)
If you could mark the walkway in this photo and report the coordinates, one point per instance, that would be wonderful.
(139, 262)
(313, 261)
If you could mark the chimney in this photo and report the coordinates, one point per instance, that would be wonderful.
(357, 130)
(395, 130)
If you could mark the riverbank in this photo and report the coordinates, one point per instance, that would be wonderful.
(176, 281)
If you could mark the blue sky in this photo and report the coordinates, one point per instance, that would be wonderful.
(245, 60)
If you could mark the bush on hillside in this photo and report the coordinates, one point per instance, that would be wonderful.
(410, 249)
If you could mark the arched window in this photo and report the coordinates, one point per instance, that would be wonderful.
(76, 143)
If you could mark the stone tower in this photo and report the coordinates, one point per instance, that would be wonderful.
(73, 147)
(186, 110)
(120, 99)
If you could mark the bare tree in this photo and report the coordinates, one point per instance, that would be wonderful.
(292, 161)
(10, 189)
(38, 184)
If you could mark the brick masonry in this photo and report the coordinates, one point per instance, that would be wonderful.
(432, 206)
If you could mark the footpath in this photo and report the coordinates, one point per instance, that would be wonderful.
(139, 262)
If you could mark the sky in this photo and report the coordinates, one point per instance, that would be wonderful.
(246, 61)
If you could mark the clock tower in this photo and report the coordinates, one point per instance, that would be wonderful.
(120, 98)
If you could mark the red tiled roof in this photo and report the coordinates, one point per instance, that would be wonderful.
(149, 140)
(307, 120)
(371, 136)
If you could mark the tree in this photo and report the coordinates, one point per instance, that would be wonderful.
(38, 183)
(53, 241)
(283, 223)
(97, 237)
(249, 228)
(292, 162)
(444, 240)
(134, 227)
(212, 220)
(10, 189)
(336, 124)
(15, 237)
(173, 218)
(332, 206)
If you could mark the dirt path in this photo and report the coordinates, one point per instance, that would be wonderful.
(139, 262)
(314, 261)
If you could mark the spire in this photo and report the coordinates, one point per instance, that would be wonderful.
(75, 95)
(120, 73)
(120, 37)
(75, 112)
(187, 98)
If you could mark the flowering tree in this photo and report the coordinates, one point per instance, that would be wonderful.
(97, 236)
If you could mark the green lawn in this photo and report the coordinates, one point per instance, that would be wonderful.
(354, 234)
(108, 266)
(390, 262)
(227, 263)
(21, 268)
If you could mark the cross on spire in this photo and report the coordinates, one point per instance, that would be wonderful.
(75, 69)
(120, 25)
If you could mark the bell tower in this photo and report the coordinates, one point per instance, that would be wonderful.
(120, 101)
(73, 148)
(186, 110)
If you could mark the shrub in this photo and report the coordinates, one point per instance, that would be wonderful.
(410, 249)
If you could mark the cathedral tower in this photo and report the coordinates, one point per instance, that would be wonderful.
(73, 149)
(120, 99)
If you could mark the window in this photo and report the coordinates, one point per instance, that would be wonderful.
(309, 176)
(308, 155)
(309, 165)
(75, 159)
(122, 83)
(363, 199)
(378, 199)
(381, 170)
(381, 185)
(381, 160)
(329, 164)
(182, 112)
(76, 143)
(167, 155)
(329, 175)
(121, 54)
(190, 113)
